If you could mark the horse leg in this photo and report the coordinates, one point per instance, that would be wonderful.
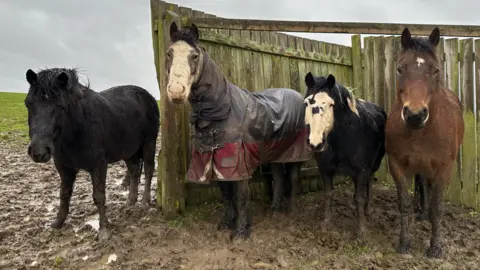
(404, 202)
(149, 166)
(228, 219)
(294, 176)
(368, 206)
(278, 183)
(361, 181)
(134, 167)
(328, 193)
(67, 176)
(435, 214)
(243, 221)
(421, 189)
(126, 180)
(99, 175)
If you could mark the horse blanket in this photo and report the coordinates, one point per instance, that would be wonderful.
(236, 130)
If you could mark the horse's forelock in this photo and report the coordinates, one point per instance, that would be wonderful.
(47, 87)
(185, 35)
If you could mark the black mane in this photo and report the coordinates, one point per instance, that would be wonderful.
(186, 35)
(341, 92)
(47, 87)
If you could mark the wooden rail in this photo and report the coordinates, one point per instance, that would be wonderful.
(332, 27)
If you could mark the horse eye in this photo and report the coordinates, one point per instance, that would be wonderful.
(195, 56)
(436, 71)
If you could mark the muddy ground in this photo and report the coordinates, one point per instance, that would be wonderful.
(142, 239)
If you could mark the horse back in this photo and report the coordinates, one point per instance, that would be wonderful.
(122, 119)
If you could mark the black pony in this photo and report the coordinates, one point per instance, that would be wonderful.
(83, 129)
(348, 138)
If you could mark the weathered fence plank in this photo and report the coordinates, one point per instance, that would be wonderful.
(335, 27)
(469, 157)
(357, 66)
(454, 191)
(477, 101)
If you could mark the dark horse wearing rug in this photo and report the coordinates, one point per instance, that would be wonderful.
(423, 134)
(348, 137)
(83, 129)
(235, 130)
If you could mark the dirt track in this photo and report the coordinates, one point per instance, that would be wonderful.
(143, 240)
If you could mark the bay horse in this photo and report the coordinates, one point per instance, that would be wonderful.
(347, 136)
(85, 130)
(235, 130)
(423, 135)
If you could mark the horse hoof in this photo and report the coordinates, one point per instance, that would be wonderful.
(325, 225)
(434, 252)
(104, 235)
(403, 248)
(421, 217)
(131, 202)
(226, 225)
(243, 234)
(361, 232)
(369, 212)
(146, 201)
(56, 224)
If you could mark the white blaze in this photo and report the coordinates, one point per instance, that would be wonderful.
(420, 61)
(180, 75)
(320, 123)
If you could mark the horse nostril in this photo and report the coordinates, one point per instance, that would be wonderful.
(405, 110)
(48, 150)
(425, 111)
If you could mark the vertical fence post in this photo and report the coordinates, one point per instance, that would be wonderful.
(357, 66)
(171, 164)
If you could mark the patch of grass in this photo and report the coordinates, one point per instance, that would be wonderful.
(356, 250)
(58, 262)
(13, 119)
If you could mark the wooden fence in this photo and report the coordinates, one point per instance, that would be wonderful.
(256, 60)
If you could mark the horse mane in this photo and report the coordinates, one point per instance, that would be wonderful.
(186, 35)
(47, 86)
(345, 94)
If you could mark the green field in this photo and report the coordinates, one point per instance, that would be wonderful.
(13, 118)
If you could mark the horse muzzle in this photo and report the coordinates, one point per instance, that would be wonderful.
(319, 147)
(40, 151)
(415, 119)
(177, 94)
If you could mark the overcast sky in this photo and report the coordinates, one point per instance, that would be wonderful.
(110, 40)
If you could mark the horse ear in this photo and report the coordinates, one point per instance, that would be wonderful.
(31, 76)
(62, 79)
(406, 38)
(194, 31)
(330, 81)
(173, 29)
(309, 80)
(434, 37)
